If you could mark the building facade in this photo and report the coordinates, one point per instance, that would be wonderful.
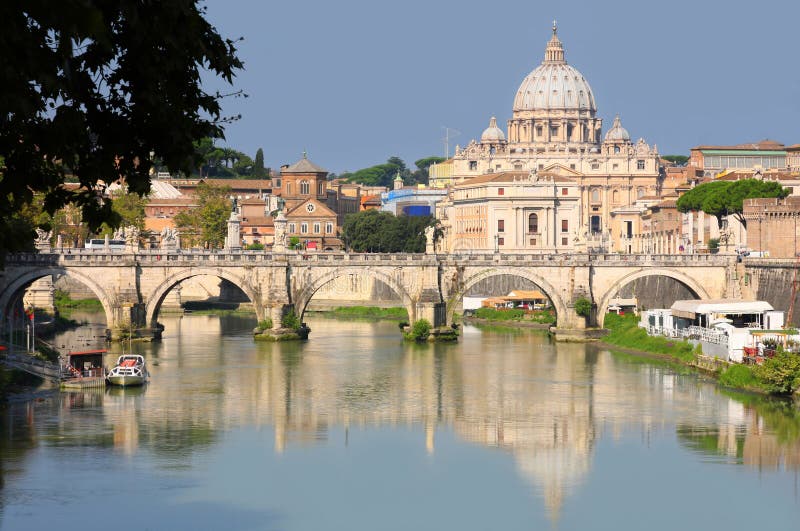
(555, 129)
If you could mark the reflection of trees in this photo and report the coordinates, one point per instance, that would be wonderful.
(766, 434)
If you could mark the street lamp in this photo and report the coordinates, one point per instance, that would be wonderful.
(496, 243)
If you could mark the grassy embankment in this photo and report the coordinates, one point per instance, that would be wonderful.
(66, 304)
(368, 312)
(516, 315)
(777, 376)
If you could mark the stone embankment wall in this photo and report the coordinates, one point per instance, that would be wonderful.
(656, 292)
(354, 290)
(771, 281)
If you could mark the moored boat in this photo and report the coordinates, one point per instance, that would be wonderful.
(130, 370)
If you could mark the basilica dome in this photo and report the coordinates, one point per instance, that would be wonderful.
(554, 84)
(617, 133)
(493, 133)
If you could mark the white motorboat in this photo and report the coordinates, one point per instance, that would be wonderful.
(130, 370)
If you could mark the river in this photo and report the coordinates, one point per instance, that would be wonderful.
(356, 430)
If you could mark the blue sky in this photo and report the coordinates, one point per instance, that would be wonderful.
(356, 81)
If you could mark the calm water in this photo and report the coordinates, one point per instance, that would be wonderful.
(355, 430)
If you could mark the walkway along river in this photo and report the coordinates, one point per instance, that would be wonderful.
(358, 430)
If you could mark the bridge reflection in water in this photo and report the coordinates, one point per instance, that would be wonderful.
(548, 405)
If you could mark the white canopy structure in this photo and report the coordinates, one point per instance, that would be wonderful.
(690, 309)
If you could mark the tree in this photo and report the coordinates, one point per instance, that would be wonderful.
(422, 175)
(381, 174)
(258, 166)
(383, 232)
(678, 160)
(208, 223)
(130, 210)
(99, 90)
(725, 198)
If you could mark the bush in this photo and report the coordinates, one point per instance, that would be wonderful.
(291, 320)
(713, 244)
(583, 306)
(265, 324)
(420, 330)
(255, 247)
(624, 331)
(739, 376)
(780, 374)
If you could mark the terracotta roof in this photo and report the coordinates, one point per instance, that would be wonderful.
(257, 220)
(303, 166)
(158, 224)
(183, 201)
(237, 184)
(763, 145)
(371, 200)
(515, 176)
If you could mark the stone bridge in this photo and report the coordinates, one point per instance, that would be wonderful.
(132, 286)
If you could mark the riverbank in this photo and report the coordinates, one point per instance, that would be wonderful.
(392, 313)
(779, 376)
(511, 317)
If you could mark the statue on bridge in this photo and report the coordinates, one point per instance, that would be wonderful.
(170, 239)
(430, 243)
(42, 241)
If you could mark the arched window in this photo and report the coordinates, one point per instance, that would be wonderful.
(639, 192)
(304, 188)
(595, 195)
(615, 196)
(533, 224)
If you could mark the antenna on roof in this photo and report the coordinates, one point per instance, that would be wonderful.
(448, 134)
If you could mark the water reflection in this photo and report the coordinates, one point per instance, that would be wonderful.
(548, 405)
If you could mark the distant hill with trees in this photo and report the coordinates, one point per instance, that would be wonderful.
(385, 174)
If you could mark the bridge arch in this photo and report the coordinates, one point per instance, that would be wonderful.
(558, 303)
(15, 286)
(157, 296)
(306, 291)
(684, 279)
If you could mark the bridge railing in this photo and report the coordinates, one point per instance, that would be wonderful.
(156, 256)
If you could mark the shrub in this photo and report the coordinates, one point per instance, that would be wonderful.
(583, 306)
(624, 331)
(255, 247)
(780, 374)
(290, 320)
(713, 244)
(739, 376)
(420, 330)
(265, 324)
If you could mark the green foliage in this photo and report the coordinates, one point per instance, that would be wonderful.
(420, 331)
(713, 244)
(291, 320)
(725, 198)
(294, 242)
(383, 232)
(265, 324)
(624, 331)
(93, 88)
(63, 301)
(259, 172)
(679, 160)
(583, 306)
(516, 314)
(740, 377)
(255, 247)
(370, 312)
(129, 211)
(208, 223)
(780, 374)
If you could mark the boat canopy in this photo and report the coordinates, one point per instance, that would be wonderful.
(689, 309)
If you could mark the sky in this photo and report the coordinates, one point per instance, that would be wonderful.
(354, 82)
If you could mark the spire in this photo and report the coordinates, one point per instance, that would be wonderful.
(554, 53)
(493, 122)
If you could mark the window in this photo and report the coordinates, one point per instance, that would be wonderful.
(292, 227)
(640, 164)
(563, 241)
(572, 166)
(473, 165)
(629, 229)
(501, 225)
(320, 188)
(639, 192)
(329, 228)
(533, 241)
(616, 149)
(304, 228)
(501, 191)
(517, 166)
(533, 224)
(594, 224)
(288, 188)
(538, 130)
(615, 166)
(595, 195)
(541, 166)
(564, 191)
(615, 196)
(564, 225)
(277, 183)
(501, 241)
(595, 165)
(553, 130)
(317, 228)
(304, 188)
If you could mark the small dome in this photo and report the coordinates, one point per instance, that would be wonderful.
(617, 133)
(492, 133)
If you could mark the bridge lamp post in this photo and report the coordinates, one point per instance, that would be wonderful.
(496, 243)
